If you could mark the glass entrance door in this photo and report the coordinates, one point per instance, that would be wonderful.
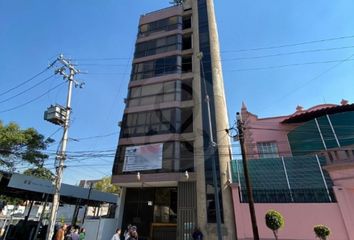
(152, 210)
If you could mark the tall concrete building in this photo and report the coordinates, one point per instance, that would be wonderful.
(166, 148)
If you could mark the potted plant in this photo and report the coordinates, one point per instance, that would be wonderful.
(274, 221)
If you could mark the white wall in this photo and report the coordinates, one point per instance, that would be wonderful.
(100, 229)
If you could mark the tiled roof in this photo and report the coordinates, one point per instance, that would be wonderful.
(318, 111)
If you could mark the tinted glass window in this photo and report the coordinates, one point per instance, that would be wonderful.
(154, 93)
(166, 24)
(156, 67)
(151, 123)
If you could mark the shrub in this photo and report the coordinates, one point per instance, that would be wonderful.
(274, 221)
(322, 231)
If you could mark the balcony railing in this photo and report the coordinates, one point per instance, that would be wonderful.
(338, 155)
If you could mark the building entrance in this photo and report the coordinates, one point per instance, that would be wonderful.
(153, 211)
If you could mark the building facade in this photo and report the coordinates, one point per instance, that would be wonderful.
(170, 137)
(301, 165)
(321, 129)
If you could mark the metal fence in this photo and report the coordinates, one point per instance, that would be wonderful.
(285, 180)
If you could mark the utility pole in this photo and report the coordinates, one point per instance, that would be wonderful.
(247, 178)
(61, 117)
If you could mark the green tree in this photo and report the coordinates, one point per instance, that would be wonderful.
(105, 185)
(40, 172)
(322, 231)
(21, 146)
(274, 221)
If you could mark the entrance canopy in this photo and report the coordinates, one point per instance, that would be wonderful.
(32, 188)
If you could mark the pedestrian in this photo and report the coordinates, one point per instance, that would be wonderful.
(116, 236)
(197, 234)
(126, 232)
(69, 232)
(75, 234)
(133, 235)
(60, 235)
(82, 233)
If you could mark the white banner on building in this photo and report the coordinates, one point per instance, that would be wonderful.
(143, 157)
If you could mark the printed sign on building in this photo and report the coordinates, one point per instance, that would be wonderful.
(143, 157)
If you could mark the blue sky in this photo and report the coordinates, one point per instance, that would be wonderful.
(32, 33)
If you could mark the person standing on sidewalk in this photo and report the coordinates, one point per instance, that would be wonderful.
(60, 235)
(82, 234)
(197, 234)
(116, 236)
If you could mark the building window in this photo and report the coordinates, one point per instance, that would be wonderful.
(162, 121)
(267, 150)
(151, 123)
(157, 46)
(187, 42)
(158, 67)
(154, 93)
(186, 120)
(187, 156)
(187, 64)
(166, 24)
(187, 22)
(187, 90)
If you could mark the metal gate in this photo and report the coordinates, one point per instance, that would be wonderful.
(186, 216)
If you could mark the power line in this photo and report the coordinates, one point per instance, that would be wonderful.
(289, 53)
(24, 82)
(238, 50)
(26, 90)
(34, 99)
(103, 64)
(98, 136)
(340, 61)
(252, 69)
(291, 44)
(315, 77)
(102, 59)
(55, 132)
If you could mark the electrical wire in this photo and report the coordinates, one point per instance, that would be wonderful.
(251, 68)
(27, 90)
(31, 101)
(340, 61)
(102, 59)
(312, 79)
(288, 53)
(237, 50)
(291, 44)
(24, 82)
(97, 136)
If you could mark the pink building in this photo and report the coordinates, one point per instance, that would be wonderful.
(301, 165)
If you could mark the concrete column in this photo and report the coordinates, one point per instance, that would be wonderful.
(120, 207)
(198, 126)
(222, 123)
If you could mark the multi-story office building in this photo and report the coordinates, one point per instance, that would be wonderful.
(166, 149)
